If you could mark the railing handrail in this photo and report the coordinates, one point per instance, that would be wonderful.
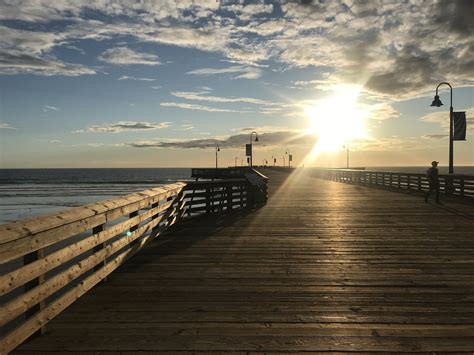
(451, 184)
(396, 172)
(57, 258)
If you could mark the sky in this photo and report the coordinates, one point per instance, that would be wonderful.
(162, 83)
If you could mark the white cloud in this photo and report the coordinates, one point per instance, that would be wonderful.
(197, 107)
(124, 126)
(244, 72)
(392, 48)
(124, 55)
(4, 125)
(48, 108)
(201, 96)
(126, 77)
(442, 118)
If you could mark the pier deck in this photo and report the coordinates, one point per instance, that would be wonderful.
(324, 266)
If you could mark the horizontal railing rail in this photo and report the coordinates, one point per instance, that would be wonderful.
(47, 263)
(453, 184)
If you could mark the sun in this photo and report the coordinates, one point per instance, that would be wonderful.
(336, 120)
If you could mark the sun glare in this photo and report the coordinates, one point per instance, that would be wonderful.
(336, 120)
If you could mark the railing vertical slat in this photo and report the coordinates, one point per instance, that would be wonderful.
(27, 259)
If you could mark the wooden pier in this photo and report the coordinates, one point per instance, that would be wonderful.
(323, 266)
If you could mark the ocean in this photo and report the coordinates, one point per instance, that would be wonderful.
(26, 193)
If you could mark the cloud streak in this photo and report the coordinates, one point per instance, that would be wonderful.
(267, 140)
(4, 125)
(127, 56)
(193, 107)
(243, 72)
(123, 126)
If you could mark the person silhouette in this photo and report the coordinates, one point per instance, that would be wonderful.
(433, 178)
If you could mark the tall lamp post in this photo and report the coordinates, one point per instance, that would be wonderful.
(347, 155)
(251, 147)
(437, 103)
(289, 154)
(217, 150)
(235, 161)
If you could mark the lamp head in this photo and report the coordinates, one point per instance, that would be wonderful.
(437, 102)
(256, 138)
(218, 149)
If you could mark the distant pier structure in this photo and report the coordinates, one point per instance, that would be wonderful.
(245, 260)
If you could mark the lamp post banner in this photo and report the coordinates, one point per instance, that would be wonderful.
(459, 133)
(248, 150)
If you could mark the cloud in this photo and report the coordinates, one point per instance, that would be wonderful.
(201, 96)
(245, 72)
(48, 108)
(394, 49)
(15, 62)
(4, 125)
(442, 118)
(124, 126)
(436, 136)
(126, 77)
(198, 107)
(266, 140)
(126, 56)
(382, 111)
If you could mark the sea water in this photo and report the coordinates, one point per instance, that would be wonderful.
(26, 193)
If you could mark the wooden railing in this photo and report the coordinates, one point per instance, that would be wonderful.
(458, 185)
(47, 263)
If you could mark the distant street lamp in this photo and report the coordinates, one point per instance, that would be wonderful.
(273, 160)
(235, 161)
(437, 103)
(289, 157)
(251, 147)
(347, 155)
(217, 150)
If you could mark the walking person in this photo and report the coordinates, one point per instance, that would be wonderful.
(433, 178)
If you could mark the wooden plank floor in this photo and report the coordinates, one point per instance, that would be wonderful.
(324, 266)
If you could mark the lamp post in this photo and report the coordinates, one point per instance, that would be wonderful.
(273, 160)
(251, 147)
(289, 155)
(235, 161)
(217, 150)
(347, 155)
(437, 103)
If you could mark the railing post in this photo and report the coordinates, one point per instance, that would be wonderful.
(229, 198)
(408, 182)
(398, 181)
(96, 230)
(28, 259)
(390, 180)
(419, 183)
(208, 200)
(250, 196)
(461, 186)
(155, 216)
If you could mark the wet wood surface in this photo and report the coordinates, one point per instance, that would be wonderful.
(324, 266)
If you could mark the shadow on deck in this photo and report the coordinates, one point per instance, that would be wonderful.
(324, 266)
